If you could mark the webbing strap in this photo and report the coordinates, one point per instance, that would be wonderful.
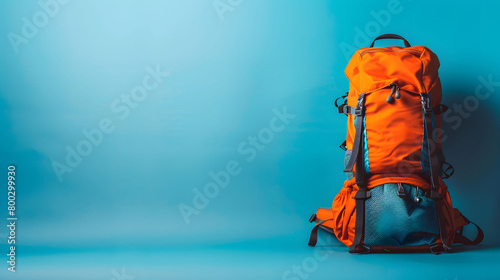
(442, 225)
(363, 193)
(341, 97)
(434, 162)
(460, 238)
(431, 144)
(448, 172)
(360, 113)
(359, 227)
(313, 239)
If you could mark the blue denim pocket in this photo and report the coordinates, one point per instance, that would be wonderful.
(407, 219)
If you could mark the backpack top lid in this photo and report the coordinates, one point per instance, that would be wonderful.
(413, 69)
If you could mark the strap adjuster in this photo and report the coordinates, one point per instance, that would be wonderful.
(360, 106)
(366, 248)
(343, 146)
(313, 218)
(362, 194)
(360, 248)
(434, 194)
(341, 108)
(426, 103)
(346, 109)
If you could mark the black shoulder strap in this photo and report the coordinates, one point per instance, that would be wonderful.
(434, 162)
(360, 113)
(431, 144)
(363, 193)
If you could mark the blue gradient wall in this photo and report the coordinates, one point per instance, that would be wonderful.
(184, 86)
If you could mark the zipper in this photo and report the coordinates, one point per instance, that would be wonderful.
(372, 50)
(402, 193)
(395, 90)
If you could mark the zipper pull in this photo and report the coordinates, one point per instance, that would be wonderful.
(417, 198)
(398, 94)
(394, 89)
(401, 190)
(390, 99)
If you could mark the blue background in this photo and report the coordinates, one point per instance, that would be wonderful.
(119, 208)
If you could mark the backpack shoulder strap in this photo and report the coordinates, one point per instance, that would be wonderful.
(432, 151)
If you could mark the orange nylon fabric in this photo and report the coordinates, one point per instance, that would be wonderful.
(344, 214)
(325, 214)
(394, 131)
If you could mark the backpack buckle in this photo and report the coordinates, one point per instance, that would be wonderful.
(434, 194)
(426, 103)
(360, 106)
(346, 109)
(341, 108)
(362, 194)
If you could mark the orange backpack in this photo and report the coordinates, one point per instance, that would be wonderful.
(394, 198)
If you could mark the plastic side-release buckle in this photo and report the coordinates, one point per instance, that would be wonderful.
(426, 103)
(360, 106)
(360, 194)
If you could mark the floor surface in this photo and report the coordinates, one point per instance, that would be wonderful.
(258, 259)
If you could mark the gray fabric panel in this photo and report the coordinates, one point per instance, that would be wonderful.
(349, 174)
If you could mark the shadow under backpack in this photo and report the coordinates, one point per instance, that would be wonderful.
(394, 198)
